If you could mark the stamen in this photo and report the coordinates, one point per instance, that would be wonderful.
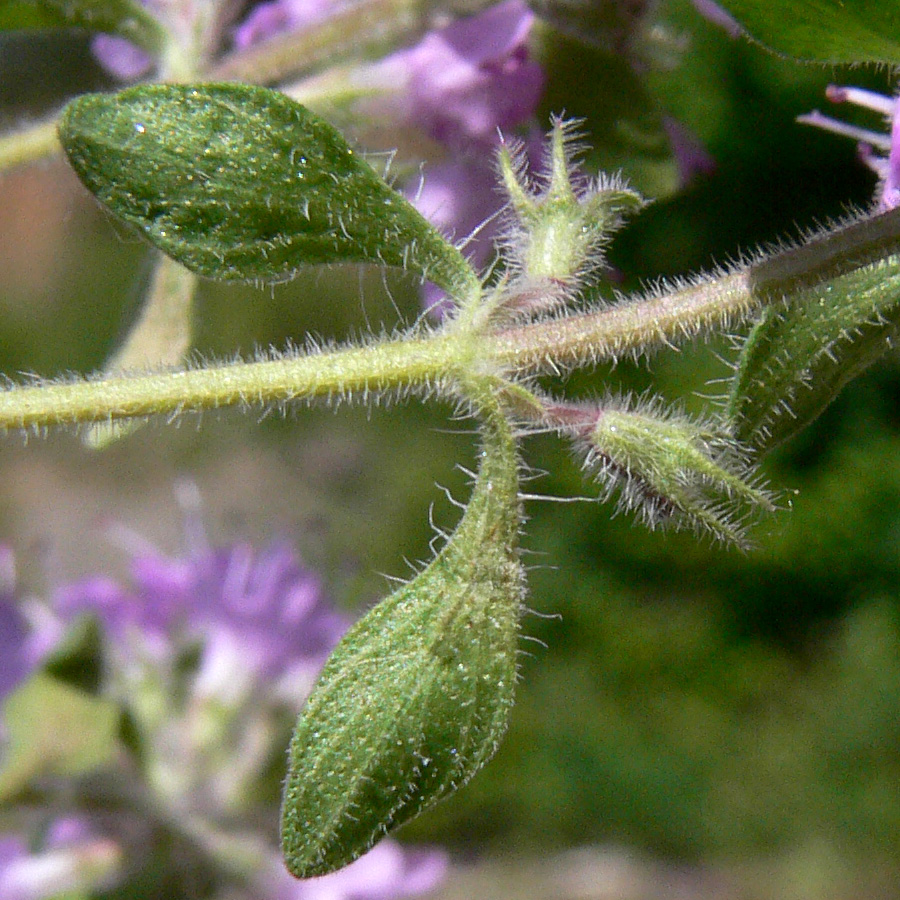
(836, 126)
(868, 157)
(860, 97)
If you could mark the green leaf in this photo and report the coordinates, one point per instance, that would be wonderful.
(800, 355)
(125, 18)
(834, 31)
(241, 183)
(415, 698)
(54, 729)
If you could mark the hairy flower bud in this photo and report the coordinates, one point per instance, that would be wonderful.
(802, 352)
(415, 698)
(560, 229)
(672, 470)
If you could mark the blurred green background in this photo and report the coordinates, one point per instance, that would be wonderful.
(690, 702)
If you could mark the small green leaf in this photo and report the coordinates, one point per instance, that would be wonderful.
(416, 697)
(54, 729)
(241, 183)
(125, 18)
(800, 355)
(833, 31)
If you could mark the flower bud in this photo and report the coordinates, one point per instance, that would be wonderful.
(672, 470)
(802, 352)
(415, 698)
(560, 230)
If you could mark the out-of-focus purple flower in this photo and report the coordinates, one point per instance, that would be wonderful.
(878, 150)
(473, 77)
(260, 616)
(387, 872)
(463, 85)
(120, 57)
(462, 198)
(266, 20)
(691, 157)
(72, 860)
(260, 627)
(26, 636)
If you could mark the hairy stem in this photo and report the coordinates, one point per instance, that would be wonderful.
(350, 373)
(636, 326)
(452, 356)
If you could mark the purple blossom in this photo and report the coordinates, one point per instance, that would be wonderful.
(464, 85)
(387, 872)
(266, 20)
(262, 627)
(260, 615)
(27, 633)
(120, 57)
(880, 151)
(472, 78)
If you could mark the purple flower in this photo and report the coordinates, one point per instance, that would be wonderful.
(71, 860)
(878, 150)
(463, 85)
(387, 872)
(259, 626)
(120, 57)
(27, 632)
(472, 78)
(266, 20)
(259, 616)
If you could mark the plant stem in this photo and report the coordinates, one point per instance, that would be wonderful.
(28, 145)
(354, 372)
(448, 358)
(632, 327)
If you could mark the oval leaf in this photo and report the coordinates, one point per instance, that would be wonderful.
(242, 183)
(800, 355)
(415, 698)
(126, 18)
(834, 31)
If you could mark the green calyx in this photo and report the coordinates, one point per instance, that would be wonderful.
(416, 697)
(562, 229)
(674, 471)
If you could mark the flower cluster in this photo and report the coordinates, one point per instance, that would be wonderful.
(207, 655)
(878, 150)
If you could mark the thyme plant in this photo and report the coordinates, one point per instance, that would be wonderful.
(239, 182)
